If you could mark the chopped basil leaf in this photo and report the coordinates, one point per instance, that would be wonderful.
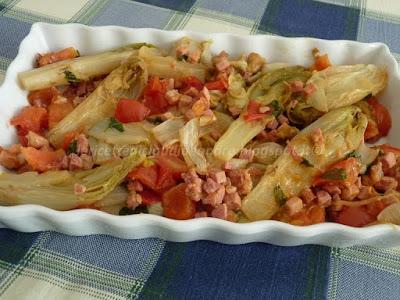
(70, 77)
(353, 153)
(277, 108)
(72, 147)
(125, 211)
(306, 163)
(335, 174)
(279, 195)
(116, 125)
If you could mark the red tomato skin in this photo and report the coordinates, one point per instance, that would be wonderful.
(177, 205)
(174, 165)
(354, 216)
(150, 197)
(53, 57)
(390, 148)
(43, 160)
(321, 62)
(154, 96)
(31, 118)
(371, 131)
(146, 175)
(165, 179)
(253, 111)
(57, 112)
(191, 81)
(131, 111)
(381, 115)
(43, 97)
(220, 84)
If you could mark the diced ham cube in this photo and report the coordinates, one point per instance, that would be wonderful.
(82, 144)
(273, 124)
(172, 97)
(241, 178)
(215, 198)
(233, 201)
(36, 141)
(218, 175)
(366, 192)
(388, 161)
(332, 189)
(386, 184)
(282, 119)
(264, 109)
(294, 205)
(75, 162)
(247, 154)
(307, 195)
(135, 186)
(134, 200)
(210, 186)
(376, 173)
(166, 116)
(310, 89)
(350, 192)
(324, 198)
(220, 212)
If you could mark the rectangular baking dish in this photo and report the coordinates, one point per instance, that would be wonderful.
(89, 40)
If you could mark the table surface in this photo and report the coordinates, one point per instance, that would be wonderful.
(49, 265)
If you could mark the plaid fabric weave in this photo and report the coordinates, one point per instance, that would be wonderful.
(55, 266)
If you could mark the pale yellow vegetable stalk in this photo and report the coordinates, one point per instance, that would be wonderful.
(128, 80)
(343, 131)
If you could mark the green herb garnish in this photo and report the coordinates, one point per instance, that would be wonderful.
(353, 153)
(335, 174)
(125, 211)
(116, 125)
(277, 108)
(279, 195)
(72, 147)
(70, 77)
(306, 163)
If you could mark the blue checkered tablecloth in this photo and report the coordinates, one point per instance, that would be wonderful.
(49, 265)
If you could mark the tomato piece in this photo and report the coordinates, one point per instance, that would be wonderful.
(390, 148)
(43, 97)
(146, 175)
(220, 84)
(345, 171)
(150, 197)
(381, 115)
(68, 138)
(43, 160)
(321, 62)
(371, 131)
(177, 205)
(354, 216)
(316, 215)
(253, 111)
(191, 81)
(154, 96)
(174, 165)
(58, 111)
(165, 179)
(131, 111)
(53, 57)
(31, 118)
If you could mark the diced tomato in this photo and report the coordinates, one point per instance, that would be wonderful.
(316, 214)
(321, 62)
(165, 179)
(177, 205)
(150, 197)
(375, 208)
(372, 131)
(390, 148)
(253, 111)
(154, 96)
(53, 57)
(43, 160)
(146, 175)
(349, 168)
(381, 115)
(31, 118)
(43, 97)
(354, 216)
(131, 111)
(220, 84)
(174, 165)
(68, 138)
(58, 111)
(21, 132)
(191, 81)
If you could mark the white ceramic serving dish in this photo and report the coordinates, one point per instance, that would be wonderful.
(46, 37)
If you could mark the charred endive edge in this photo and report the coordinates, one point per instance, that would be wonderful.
(128, 80)
(343, 131)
